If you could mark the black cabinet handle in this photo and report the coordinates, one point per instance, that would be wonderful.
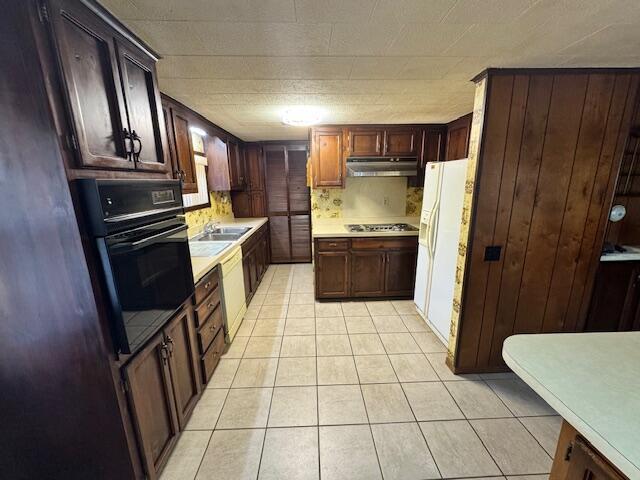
(164, 352)
(128, 142)
(170, 345)
(136, 138)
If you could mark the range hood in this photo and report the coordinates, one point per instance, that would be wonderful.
(382, 167)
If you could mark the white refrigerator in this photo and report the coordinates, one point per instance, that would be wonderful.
(440, 222)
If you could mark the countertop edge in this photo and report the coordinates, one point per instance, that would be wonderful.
(599, 442)
(256, 223)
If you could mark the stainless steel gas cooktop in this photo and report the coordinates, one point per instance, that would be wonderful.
(381, 227)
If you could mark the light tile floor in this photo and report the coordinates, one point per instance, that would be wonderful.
(354, 390)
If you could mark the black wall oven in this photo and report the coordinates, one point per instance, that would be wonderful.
(144, 253)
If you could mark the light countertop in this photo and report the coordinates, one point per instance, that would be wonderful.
(335, 227)
(202, 265)
(593, 381)
(631, 254)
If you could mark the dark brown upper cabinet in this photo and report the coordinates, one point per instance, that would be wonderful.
(254, 167)
(365, 142)
(111, 92)
(183, 162)
(327, 157)
(401, 142)
(458, 133)
(218, 178)
(236, 166)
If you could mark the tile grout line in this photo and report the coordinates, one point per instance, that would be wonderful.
(466, 418)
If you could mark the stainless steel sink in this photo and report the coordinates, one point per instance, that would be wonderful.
(215, 237)
(223, 233)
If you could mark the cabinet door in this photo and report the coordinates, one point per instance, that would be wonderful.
(184, 152)
(400, 272)
(144, 109)
(458, 133)
(236, 166)
(300, 238)
(246, 273)
(258, 204)
(586, 463)
(217, 165)
(332, 274)
(401, 142)
(280, 239)
(181, 342)
(254, 167)
(430, 150)
(365, 143)
(91, 83)
(367, 273)
(241, 203)
(152, 404)
(328, 162)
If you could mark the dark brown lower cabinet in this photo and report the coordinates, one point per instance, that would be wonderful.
(367, 273)
(255, 260)
(163, 387)
(365, 267)
(615, 301)
(576, 459)
(332, 274)
(181, 343)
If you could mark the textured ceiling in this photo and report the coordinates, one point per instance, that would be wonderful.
(240, 63)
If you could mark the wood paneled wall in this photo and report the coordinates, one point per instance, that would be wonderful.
(58, 402)
(549, 155)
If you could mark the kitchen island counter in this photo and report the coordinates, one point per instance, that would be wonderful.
(593, 381)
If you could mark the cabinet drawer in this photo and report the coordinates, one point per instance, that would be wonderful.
(383, 243)
(207, 285)
(211, 358)
(207, 307)
(210, 328)
(332, 245)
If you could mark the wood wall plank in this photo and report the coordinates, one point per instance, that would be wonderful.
(550, 153)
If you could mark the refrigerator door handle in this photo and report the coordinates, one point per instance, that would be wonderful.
(433, 229)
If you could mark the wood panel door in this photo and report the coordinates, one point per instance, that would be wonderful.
(217, 165)
(185, 162)
(367, 273)
(254, 167)
(236, 166)
(365, 142)
(400, 272)
(400, 142)
(280, 239)
(87, 56)
(458, 133)
(185, 375)
(300, 238)
(241, 204)
(153, 404)
(328, 161)
(288, 203)
(258, 204)
(144, 109)
(332, 274)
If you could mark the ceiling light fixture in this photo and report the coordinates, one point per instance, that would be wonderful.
(198, 131)
(302, 116)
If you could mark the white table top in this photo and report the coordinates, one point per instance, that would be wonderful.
(593, 381)
(629, 255)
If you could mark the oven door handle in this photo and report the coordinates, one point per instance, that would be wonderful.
(153, 238)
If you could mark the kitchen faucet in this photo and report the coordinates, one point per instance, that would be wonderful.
(211, 226)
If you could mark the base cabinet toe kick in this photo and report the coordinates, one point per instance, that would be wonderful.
(365, 267)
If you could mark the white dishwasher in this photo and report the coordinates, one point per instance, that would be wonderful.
(233, 295)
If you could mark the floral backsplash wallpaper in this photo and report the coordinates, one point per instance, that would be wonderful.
(220, 209)
(327, 202)
(414, 201)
